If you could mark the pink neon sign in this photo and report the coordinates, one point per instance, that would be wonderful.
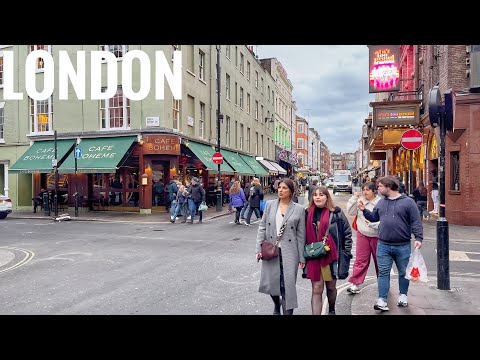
(384, 74)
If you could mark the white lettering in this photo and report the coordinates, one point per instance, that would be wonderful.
(77, 78)
(8, 70)
(127, 72)
(48, 75)
(173, 79)
(97, 59)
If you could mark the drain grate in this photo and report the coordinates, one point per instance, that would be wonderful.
(236, 239)
(158, 230)
(457, 289)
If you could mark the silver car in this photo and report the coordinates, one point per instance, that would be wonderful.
(5, 206)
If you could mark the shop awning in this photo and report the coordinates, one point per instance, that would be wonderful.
(271, 169)
(254, 165)
(205, 153)
(236, 163)
(38, 158)
(280, 170)
(99, 155)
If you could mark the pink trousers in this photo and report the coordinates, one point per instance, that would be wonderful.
(366, 246)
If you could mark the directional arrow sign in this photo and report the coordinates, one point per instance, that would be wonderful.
(78, 153)
(411, 139)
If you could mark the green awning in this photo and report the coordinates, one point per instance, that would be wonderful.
(236, 162)
(205, 153)
(38, 158)
(98, 155)
(256, 167)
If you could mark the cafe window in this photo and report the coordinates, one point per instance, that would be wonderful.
(115, 112)
(41, 116)
(455, 170)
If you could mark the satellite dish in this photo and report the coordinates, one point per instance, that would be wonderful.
(434, 106)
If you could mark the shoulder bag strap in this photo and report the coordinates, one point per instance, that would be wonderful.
(328, 227)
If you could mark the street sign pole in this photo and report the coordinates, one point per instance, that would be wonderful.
(55, 197)
(219, 181)
(76, 187)
(410, 183)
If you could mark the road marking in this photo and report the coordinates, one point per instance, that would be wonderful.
(28, 256)
(455, 255)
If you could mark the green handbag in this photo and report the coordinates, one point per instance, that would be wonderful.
(317, 249)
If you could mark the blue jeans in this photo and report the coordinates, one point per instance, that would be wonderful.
(193, 205)
(250, 212)
(386, 254)
(245, 208)
(180, 209)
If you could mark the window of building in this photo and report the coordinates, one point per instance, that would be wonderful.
(48, 48)
(256, 142)
(261, 113)
(115, 112)
(300, 144)
(118, 50)
(256, 109)
(236, 134)
(2, 119)
(268, 91)
(41, 115)
(241, 136)
(455, 170)
(248, 103)
(256, 79)
(1, 71)
(236, 93)
(261, 146)
(201, 65)
(248, 70)
(300, 159)
(300, 128)
(227, 130)
(202, 120)
(227, 87)
(262, 84)
(191, 58)
(236, 57)
(176, 114)
(227, 51)
(248, 139)
(242, 63)
(241, 98)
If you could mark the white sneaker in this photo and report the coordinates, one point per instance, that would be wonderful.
(381, 305)
(353, 289)
(402, 300)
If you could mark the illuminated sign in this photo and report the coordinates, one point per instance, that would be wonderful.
(396, 115)
(384, 72)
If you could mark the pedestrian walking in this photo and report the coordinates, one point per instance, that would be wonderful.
(279, 275)
(182, 204)
(237, 200)
(196, 195)
(420, 195)
(256, 194)
(399, 218)
(367, 235)
(323, 217)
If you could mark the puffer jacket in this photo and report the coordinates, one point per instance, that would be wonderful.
(365, 227)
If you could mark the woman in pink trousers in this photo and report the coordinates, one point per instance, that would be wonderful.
(367, 235)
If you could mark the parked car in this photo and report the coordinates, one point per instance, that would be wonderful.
(329, 182)
(5, 206)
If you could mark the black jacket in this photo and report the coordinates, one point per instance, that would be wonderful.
(342, 235)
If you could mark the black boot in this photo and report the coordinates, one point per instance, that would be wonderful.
(276, 301)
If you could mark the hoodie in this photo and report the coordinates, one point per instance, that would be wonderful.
(399, 218)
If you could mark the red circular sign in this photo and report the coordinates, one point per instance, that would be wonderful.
(411, 139)
(217, 158)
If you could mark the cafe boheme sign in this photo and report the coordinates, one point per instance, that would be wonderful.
(161, 144)
(384, 69)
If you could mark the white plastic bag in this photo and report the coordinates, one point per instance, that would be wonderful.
(416, 268)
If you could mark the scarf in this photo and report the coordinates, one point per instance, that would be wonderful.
(332, 255)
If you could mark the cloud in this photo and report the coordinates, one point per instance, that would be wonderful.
(330, 88)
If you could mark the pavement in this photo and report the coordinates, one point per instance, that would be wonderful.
(461, 298)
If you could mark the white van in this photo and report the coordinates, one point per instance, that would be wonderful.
(342, 181)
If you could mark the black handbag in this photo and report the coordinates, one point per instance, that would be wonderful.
(317, 249)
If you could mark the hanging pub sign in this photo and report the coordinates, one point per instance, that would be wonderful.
(384, 68)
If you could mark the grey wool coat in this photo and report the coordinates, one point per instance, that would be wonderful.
(292, 244)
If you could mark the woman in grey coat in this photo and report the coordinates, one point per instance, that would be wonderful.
(279, 275)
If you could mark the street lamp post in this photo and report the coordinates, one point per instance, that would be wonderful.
(219, 118)
(312, 154)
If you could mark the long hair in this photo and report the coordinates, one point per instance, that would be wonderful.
(235, 188)
(290, 184)
(329, 204)
(422, 189)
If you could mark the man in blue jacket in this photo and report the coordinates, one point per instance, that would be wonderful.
(399, 218)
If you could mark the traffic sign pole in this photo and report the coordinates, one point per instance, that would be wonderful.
(411, 140)
(76, 187)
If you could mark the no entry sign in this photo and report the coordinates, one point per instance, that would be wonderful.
(411, 139)
(217, 158)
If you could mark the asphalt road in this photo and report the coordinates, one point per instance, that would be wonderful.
(124, 268)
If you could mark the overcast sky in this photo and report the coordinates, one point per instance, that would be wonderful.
(330, 87)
